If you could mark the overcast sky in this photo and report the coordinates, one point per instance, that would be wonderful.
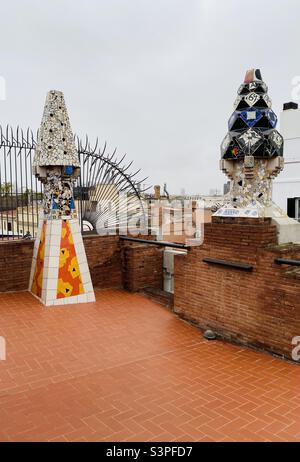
(154, 78)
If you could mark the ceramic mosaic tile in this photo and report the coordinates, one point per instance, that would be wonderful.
(252, 150)
(37, 281)
(252, 98)
(60, 272)
(55, 145)
(69, 278)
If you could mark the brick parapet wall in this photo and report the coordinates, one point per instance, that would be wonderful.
(260, 308)
(104, 260)
(15, 265)
(142, 266)
(112, 262)
(103, 254)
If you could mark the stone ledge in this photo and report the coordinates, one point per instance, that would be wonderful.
(284, 248)
(241, 221)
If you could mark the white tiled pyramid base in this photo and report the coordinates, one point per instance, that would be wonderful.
(49, 286)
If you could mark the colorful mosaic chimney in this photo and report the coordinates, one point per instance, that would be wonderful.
(59, 273)
(252, 150)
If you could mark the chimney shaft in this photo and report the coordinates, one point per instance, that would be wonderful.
(157, 191)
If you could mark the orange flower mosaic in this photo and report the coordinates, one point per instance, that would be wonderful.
(69, 279)
(37, 282)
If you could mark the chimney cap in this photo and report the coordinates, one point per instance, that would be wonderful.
(253, 75)
(157, 191)
(290, 105)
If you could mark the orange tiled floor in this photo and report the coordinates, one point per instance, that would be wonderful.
(126, 369)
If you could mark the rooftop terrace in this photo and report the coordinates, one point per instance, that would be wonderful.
(126, 369)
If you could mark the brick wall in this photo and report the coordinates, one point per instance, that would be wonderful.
(15, 265)
(103, 254)
(104, 259)
(142, 266)
(260, 308)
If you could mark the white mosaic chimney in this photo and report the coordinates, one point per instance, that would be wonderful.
(60, 272)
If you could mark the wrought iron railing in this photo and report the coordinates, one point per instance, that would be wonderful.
(103, 177)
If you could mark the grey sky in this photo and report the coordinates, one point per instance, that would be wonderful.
(156, 78)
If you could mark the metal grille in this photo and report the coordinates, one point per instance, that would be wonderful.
(103, 177)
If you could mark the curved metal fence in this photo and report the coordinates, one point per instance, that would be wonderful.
(107, 193)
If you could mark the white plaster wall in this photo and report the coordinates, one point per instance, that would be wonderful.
(287, 184)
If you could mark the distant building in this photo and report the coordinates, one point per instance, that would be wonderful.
(286, 188)
(172, 212)
(226, 188)
(19, 222)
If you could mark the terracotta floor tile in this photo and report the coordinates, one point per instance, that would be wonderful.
(126, 369)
